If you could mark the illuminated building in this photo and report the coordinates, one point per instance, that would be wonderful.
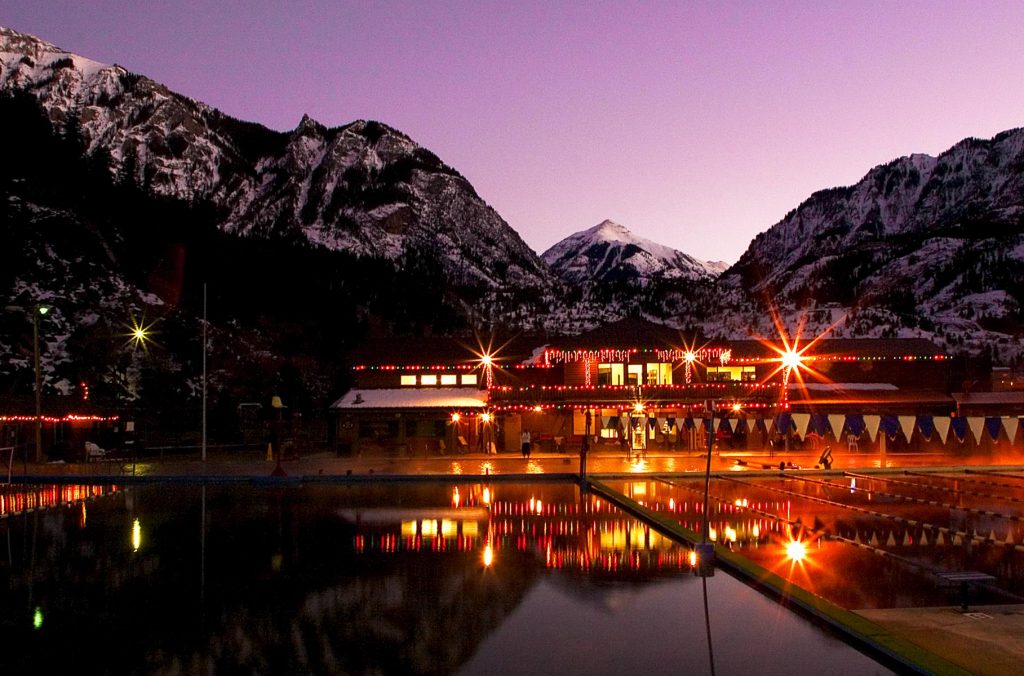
(647, 386)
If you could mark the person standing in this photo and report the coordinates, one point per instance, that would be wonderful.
(526, 443)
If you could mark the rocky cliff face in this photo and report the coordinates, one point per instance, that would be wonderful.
(930, 245)
(363, 188)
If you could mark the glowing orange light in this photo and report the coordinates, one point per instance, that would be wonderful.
(638, 407)
(456, 417)
(796, 550)
(689, 357)
(488, 556)
(693, 558)
(486, 360)
(791, 359)
(485, 418)
(737, 407)
(456, 498)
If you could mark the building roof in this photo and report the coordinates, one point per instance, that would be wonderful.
(446, 398)
(636, 333)
(444, 350)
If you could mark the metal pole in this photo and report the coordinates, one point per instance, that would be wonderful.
(39, 385)
(204, 372)
(705, 532)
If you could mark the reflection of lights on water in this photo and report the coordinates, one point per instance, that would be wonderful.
(488, 556)
(456, 498)
(37, 618)
(796, 550)
(534, 468)
(639, 487)
(448, 528)
(487, 495)
(712, 533)
(136, 535)
(638, 466)
(741, 502)
(853, 485)
(756, 531)
(672, 503)
(730, 534)
(540, 506)
(456, 468)
(487, 467)
(693, 558)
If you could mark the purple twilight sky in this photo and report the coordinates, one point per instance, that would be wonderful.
(695, 124)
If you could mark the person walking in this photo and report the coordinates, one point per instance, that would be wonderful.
(526, 443)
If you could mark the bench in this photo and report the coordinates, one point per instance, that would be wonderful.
(964, 579)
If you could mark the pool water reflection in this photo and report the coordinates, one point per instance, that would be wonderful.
(379, 578)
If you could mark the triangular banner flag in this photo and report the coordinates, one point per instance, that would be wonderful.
(942, 427)
(768, 424)
(801, 420)
(977, 425)
(717, 423)
(836, 422)
(907, 423)
(924, 539)
(1010, 424)
(871, 423)
(926, 425)
(891, 542)
(732, 423)
(993, 425)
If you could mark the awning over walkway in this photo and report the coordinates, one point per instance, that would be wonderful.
(448, 398)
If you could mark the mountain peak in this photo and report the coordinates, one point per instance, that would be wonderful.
(610, 250)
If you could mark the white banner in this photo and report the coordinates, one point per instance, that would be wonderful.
(802, 420)
(907, 423)
(977, 426)
(836, 422)
(871, 423)
(1010, 424)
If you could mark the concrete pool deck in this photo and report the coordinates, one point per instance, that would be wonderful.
(230, 465)
(982, 640)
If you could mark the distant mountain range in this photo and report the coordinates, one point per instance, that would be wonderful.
(124, 197)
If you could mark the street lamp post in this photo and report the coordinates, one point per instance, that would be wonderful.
(38, 312)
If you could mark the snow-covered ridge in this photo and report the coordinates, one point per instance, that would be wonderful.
(610, 250)
(364, 187)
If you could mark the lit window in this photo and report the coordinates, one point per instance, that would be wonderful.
(469, 379)
(428, 380)
(634, 374)
(408, 380)
(449, 379)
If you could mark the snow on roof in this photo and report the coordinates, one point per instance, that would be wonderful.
(448, 398)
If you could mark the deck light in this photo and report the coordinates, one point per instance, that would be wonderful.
(796, 550)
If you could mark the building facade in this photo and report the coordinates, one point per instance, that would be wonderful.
(638, 386)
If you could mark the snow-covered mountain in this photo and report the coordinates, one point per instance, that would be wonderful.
(364, 187)
(609, 251)
(921, 245)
